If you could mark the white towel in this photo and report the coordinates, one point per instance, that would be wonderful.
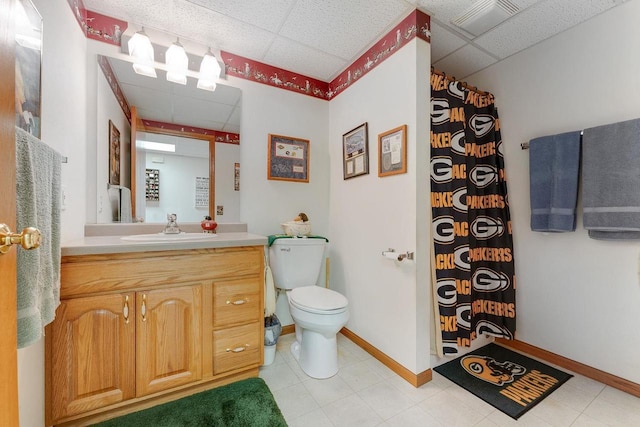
(125, 205)
(38, 193)
(270, 293)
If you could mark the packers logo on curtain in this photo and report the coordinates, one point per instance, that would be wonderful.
(471, 224)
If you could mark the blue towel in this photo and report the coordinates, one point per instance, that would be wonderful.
(611, 181)
(554, 166)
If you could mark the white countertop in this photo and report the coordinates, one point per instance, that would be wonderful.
(91, 245)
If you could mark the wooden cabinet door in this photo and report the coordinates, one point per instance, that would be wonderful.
(169, 338)
(93, 359)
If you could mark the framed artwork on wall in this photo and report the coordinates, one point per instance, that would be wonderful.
(288, 158)
(355, 152)
(114, 154)
(392, 151)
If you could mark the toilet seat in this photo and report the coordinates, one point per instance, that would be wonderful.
(315, 299)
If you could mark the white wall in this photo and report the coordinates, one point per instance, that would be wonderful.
(388, 301)
(64, 128)
(267, 203)
(226, 156)
(577, 297)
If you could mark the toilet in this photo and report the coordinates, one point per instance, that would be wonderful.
(318, 313)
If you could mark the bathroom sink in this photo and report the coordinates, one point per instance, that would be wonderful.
(161, 237)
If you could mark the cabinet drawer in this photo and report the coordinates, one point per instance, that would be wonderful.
(237, 301)
(236, 348)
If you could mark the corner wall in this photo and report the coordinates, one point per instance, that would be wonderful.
(577, 297)
(388, 300)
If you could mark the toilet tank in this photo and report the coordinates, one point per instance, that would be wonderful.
(296, 262)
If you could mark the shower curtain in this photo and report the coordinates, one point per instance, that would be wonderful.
(473, 268)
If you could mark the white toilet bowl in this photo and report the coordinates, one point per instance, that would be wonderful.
(318, 313)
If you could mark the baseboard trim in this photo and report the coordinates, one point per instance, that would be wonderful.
(414, 379)
(577, 367)
(288, 329)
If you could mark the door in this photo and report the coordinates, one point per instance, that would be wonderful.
(93, 353)
(8, 316)
(169, 338)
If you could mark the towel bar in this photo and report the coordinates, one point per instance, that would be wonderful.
(525, 145)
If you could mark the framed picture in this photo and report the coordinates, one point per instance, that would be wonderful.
(114, 154)
(288, 159)
(28, 67)
(392, 151)
(355, 152)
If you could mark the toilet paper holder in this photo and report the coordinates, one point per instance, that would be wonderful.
(392, 254)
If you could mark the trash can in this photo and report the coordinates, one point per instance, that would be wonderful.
(272, 330)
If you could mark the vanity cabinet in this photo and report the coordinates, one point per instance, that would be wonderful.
(141, 328)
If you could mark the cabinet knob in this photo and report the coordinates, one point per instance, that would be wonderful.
(238, 349)
(238, 302)
(125, 309)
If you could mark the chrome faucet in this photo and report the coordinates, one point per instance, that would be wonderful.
(172, 225)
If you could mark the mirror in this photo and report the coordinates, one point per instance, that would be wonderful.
(201, 126)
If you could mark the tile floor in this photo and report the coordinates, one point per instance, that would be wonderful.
(367, 393)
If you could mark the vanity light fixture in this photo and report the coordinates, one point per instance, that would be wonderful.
(141, 50)
(177, 63)
(209, 72)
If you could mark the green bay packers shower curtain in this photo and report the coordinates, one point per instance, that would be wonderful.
(471, 228)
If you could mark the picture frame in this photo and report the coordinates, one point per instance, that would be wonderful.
(392, 152)
(355, 151)
(28, 59)
(288, 159)
(114, 154)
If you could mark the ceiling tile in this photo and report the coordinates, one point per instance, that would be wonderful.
(268, 15)
(539, 23)
(464, 62)
(342, 28)
(443, 42)
(307, 61)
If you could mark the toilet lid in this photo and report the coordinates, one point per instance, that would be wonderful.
(315, 298)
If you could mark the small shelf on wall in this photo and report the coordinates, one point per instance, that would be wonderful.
(152, 185)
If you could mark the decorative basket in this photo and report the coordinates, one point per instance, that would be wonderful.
(295, 228)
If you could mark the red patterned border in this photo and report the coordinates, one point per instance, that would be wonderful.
(104, 28)
(115, 87)
(417, 24)
(249, 69)
(226, 137)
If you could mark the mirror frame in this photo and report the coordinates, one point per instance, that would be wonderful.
(138, 125)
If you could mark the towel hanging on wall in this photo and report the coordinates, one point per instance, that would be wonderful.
(38, 195)
(554, 167)
(611, 181)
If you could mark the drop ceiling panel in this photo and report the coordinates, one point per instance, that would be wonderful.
(320, 38)
(268, 15)
(342, 28)
(539, 23)
(219, 31)
(447, 42)
(464, 62)
(289, 55)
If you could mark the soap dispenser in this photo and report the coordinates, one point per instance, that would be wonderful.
(208, 225)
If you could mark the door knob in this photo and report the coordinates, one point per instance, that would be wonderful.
(28, 239)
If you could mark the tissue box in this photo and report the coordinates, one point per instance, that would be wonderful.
(294, 228)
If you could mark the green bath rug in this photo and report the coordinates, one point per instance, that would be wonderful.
(244, 403)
